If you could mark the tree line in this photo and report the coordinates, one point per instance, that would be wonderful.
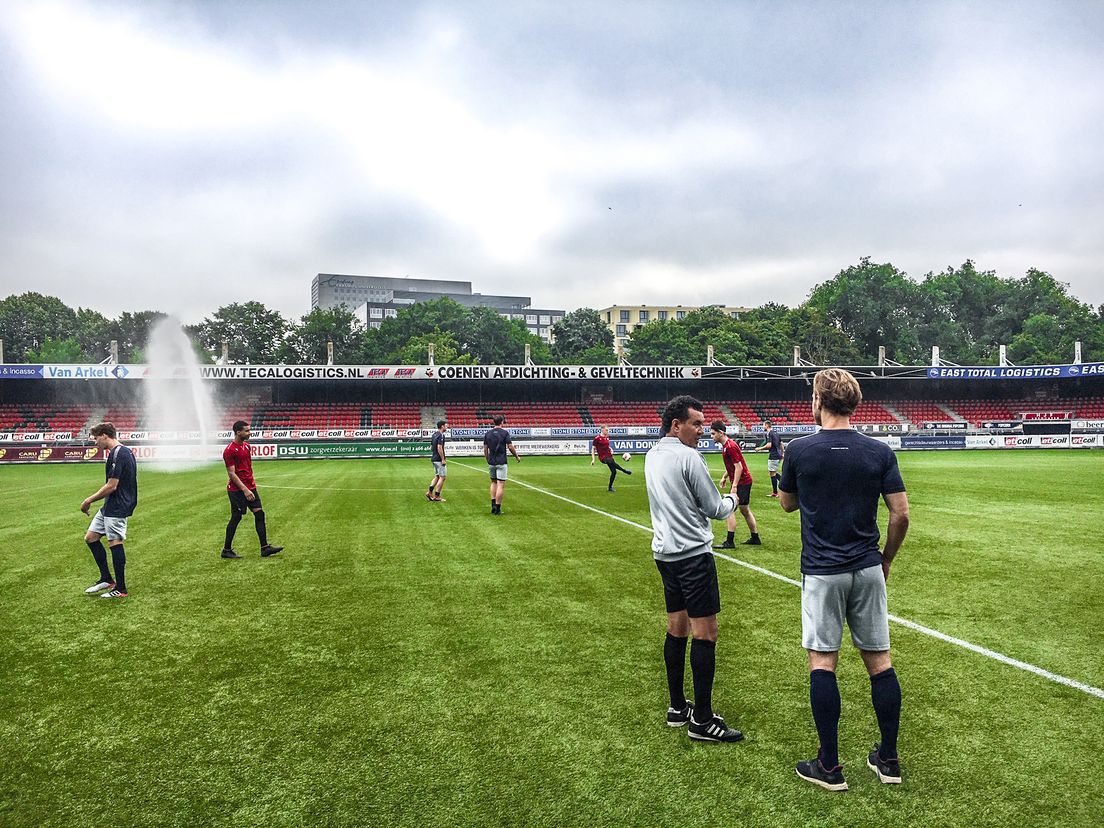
(967, 312)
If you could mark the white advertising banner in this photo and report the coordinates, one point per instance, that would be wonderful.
(473, 448)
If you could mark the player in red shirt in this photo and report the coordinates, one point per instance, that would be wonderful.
(739, 478)
(242, 491)
(601, 448)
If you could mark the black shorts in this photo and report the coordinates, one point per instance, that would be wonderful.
(691, 585)
(238, 503)
(743, 495)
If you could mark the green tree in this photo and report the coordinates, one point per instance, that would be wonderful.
(820, 341)
(874, 304)
(419, 319)
(493, 340)
(577, 333)
(57, 351)
(663, 343)
(132, 333)
(94, 332)
(446, 350)
(596, 355)
(253, 332)
(306, 343)
(27, 320)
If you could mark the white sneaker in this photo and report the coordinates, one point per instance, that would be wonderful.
(100, 587)
(114, 594)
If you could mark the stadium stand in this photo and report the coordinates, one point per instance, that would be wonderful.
(29, 418)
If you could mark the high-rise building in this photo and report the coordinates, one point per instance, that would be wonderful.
(375, 298)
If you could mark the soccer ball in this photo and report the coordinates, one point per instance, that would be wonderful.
(626, 456)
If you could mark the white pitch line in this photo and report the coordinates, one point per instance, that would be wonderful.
(904, 622)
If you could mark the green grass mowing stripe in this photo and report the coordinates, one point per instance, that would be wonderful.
(912, 625)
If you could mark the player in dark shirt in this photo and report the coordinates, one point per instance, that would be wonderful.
(836, 478)
(440, 469)
(601, 448)
(495, 444)
(738, 479)
(242, 491)
(776, 450)
(120, 495)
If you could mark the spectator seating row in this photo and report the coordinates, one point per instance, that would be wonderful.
(15, 417)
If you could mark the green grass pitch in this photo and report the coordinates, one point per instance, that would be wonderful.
(408, 663)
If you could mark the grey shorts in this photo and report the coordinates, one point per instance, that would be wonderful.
(113, 527)
(859, 597)
(498, 472)
(772, 465)
(440, 469)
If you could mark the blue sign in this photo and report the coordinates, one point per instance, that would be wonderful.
(1088, 369)
(20, 372)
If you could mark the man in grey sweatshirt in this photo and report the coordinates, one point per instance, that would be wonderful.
(682, 499)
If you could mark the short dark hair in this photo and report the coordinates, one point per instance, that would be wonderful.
(499, 419)
(103, 430)
(717, 425)
(679, 409)
(766, 422)
(239, 425)
(441, 423)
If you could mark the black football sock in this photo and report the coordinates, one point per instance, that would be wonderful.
(703, 665)
(262, 529)
(231, 528)
(824, 698)
(613, 474)
(755, 536)
(118, 560)
(99, 554)
(674, 656)
(731, 537)
(774, 483)
(885, 692)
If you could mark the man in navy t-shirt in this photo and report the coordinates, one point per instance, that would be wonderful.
(495, 444)
(120, 495)
(836, 478)
(440, 465)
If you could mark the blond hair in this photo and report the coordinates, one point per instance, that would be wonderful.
(838, 391)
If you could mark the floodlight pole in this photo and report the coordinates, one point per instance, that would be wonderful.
(935, 356)
(431, 352)
(528, 354)
(1076, 353)
(1, 351)
(1003, 355)
(797, 355)
(114, 358)
(881, 356)
(329, 352)
(225, 353)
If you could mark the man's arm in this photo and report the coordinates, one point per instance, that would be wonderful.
(487, 453)
(441, 450)
(233, 472)
(709, 500)
(513, 451)
(898, 526)
(787, 488)
(107, 488)
(593, 453)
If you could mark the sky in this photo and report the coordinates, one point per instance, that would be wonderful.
(182, 156)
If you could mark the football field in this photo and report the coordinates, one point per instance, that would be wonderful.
(411, 663)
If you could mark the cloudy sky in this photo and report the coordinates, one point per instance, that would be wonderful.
(180, 156)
